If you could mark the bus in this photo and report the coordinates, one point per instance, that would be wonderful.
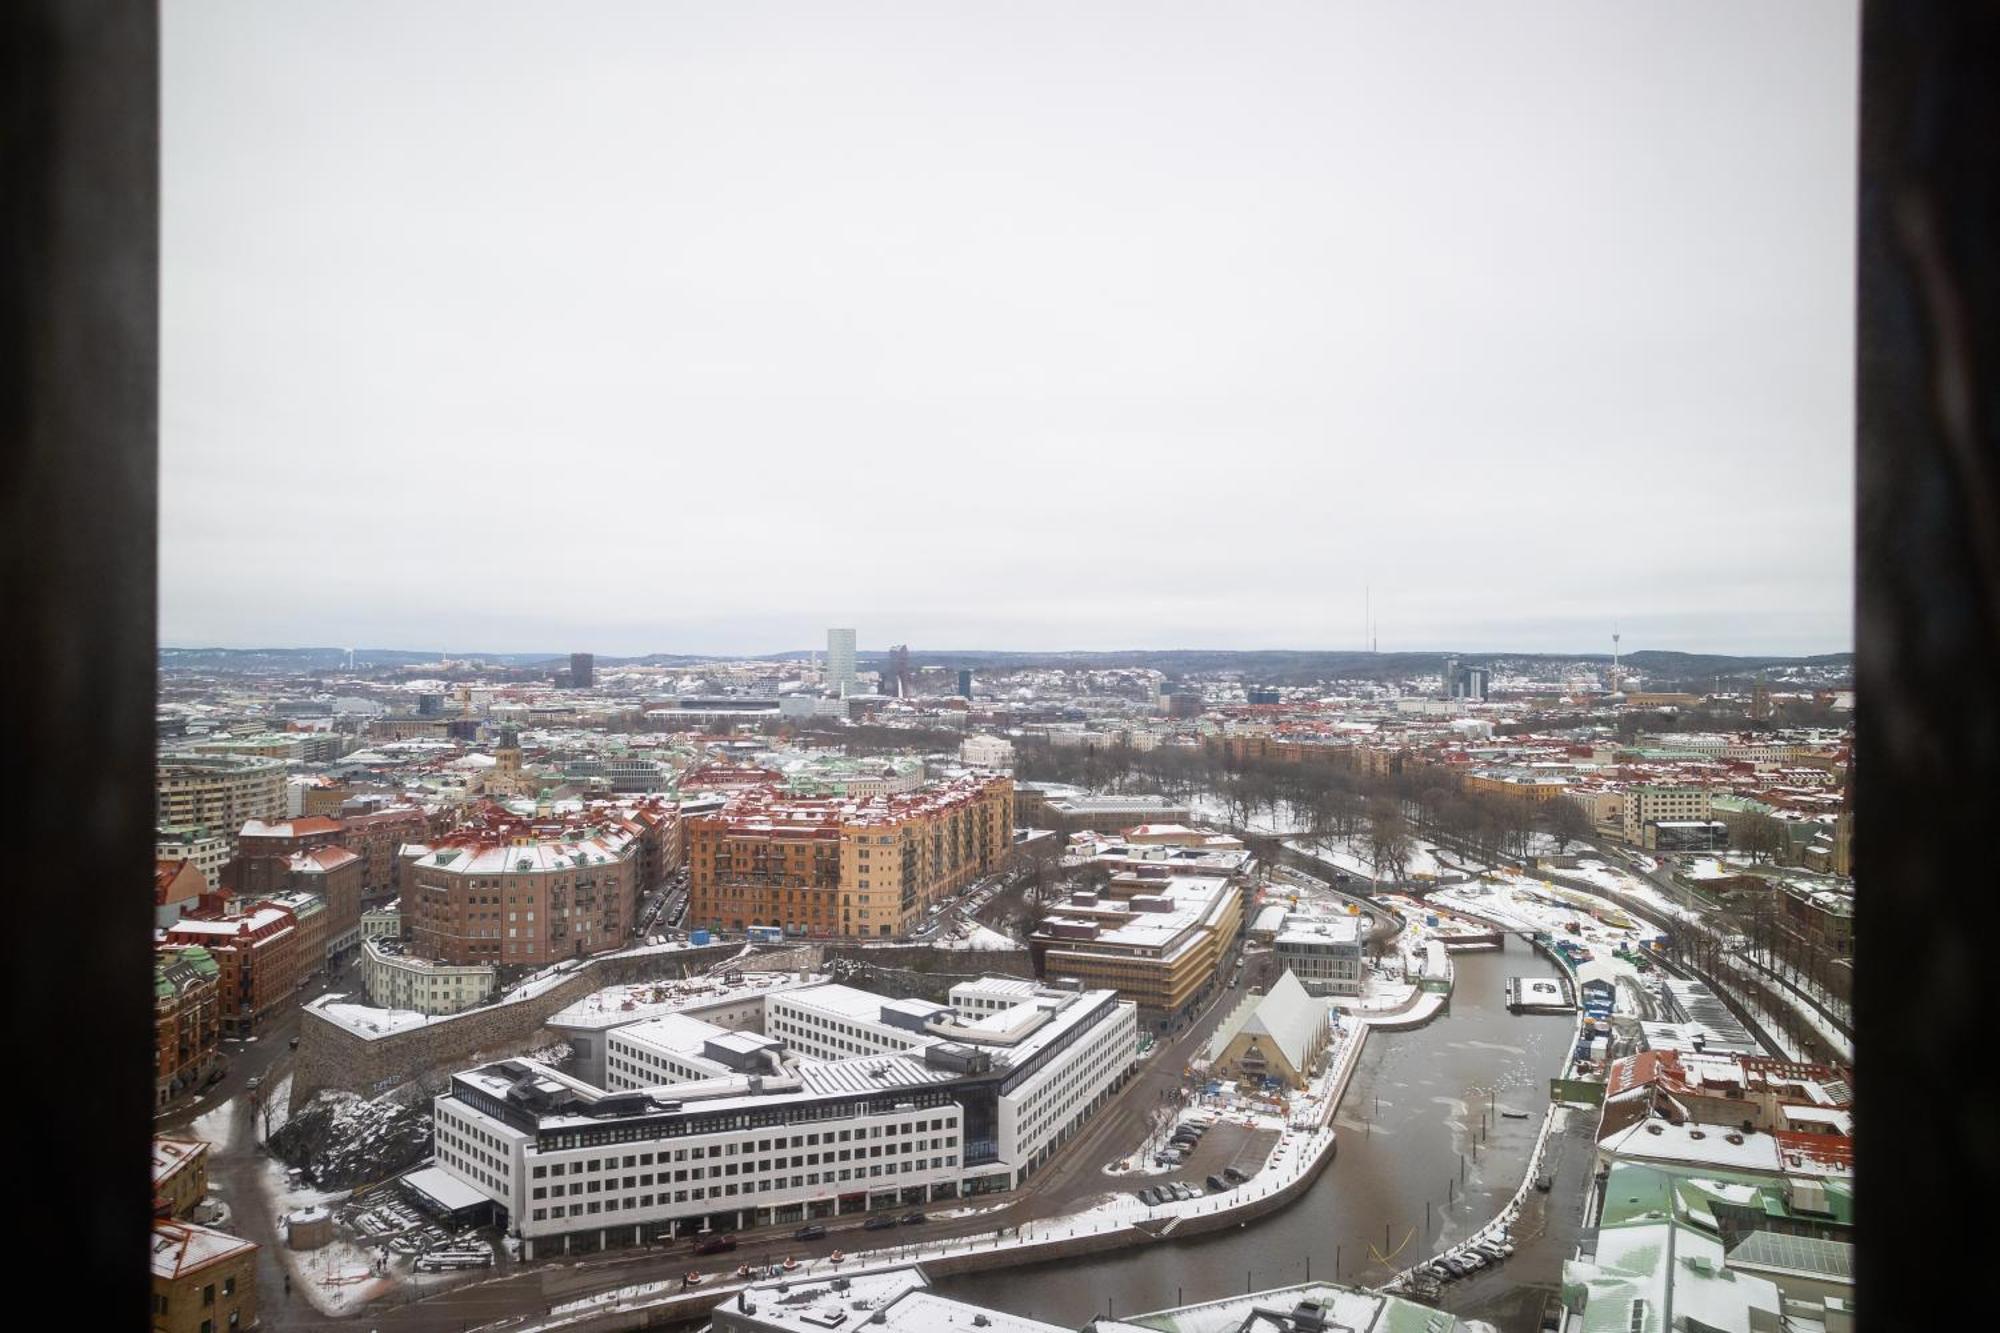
(766, 934)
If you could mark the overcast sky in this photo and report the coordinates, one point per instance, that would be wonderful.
(691, 328)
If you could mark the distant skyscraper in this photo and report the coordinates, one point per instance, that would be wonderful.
(582, 670)
(840, 660)
(965, 682)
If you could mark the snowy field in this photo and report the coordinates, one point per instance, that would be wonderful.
(980, 938)
(1354, 856)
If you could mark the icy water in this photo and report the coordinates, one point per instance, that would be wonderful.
(1411, 1134)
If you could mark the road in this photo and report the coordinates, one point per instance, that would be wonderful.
(263, 1056)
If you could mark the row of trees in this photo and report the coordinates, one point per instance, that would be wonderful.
(1319, 798)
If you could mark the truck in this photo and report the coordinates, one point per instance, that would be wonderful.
(698, 937)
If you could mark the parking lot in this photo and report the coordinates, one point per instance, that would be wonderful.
(1227, 1144)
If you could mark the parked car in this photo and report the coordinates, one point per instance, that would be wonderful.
(810, 1231)
(1458, 1266)
(715, 1244)
(879, 1222)
(1185, 1190)
(1234, 1176)
(1216, 1184)
(1472, 1258)
(911, 1219)
(1147, 1197)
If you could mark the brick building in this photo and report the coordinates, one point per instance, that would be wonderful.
(264, 851)
(257, 954)
(511, 892)
(374, 836)
(845, 867)
(187, 1020)
(332, 874)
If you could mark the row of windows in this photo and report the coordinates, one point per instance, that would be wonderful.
(683, 1175)
(780, 1143)
(697, 1194)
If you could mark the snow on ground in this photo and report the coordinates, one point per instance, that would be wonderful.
(336, 1278)
(1523, 903)
(275, 1107)
(367, 1021)
(1281, 818)
(1632, 886)
(971, 1211)
(1804, 1008)
(1355, 856)
(339, 1278)
(1381, 992)
(217, 1125)
(979, 937)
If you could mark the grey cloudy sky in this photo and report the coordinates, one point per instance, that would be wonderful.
(501, 326)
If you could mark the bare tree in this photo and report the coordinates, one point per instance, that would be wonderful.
(1566, 822)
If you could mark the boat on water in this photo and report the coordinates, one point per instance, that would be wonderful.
(1515, 1115)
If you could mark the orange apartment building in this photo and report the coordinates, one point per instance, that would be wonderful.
(844, 867)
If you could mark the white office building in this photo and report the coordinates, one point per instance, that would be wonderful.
(726, 1128)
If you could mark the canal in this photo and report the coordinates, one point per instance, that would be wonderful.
(1420, 1125)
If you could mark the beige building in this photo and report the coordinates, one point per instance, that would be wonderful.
(180, 1175)
(398, 980)
(1651, 805)
(204, 1281)
(1605, 808)
(217, 791)
(1157, 938)
(208, 849)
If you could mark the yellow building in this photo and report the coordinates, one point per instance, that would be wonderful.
(1521, 786)
(204, 1281)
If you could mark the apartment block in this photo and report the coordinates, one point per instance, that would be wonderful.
(865, 866)
(1651, 805)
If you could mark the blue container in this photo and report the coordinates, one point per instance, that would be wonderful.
(698, 937)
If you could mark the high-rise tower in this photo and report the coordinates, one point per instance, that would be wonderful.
(840, 661)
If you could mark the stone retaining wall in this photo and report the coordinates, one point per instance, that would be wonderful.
(926, 972)
(334, 1057)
